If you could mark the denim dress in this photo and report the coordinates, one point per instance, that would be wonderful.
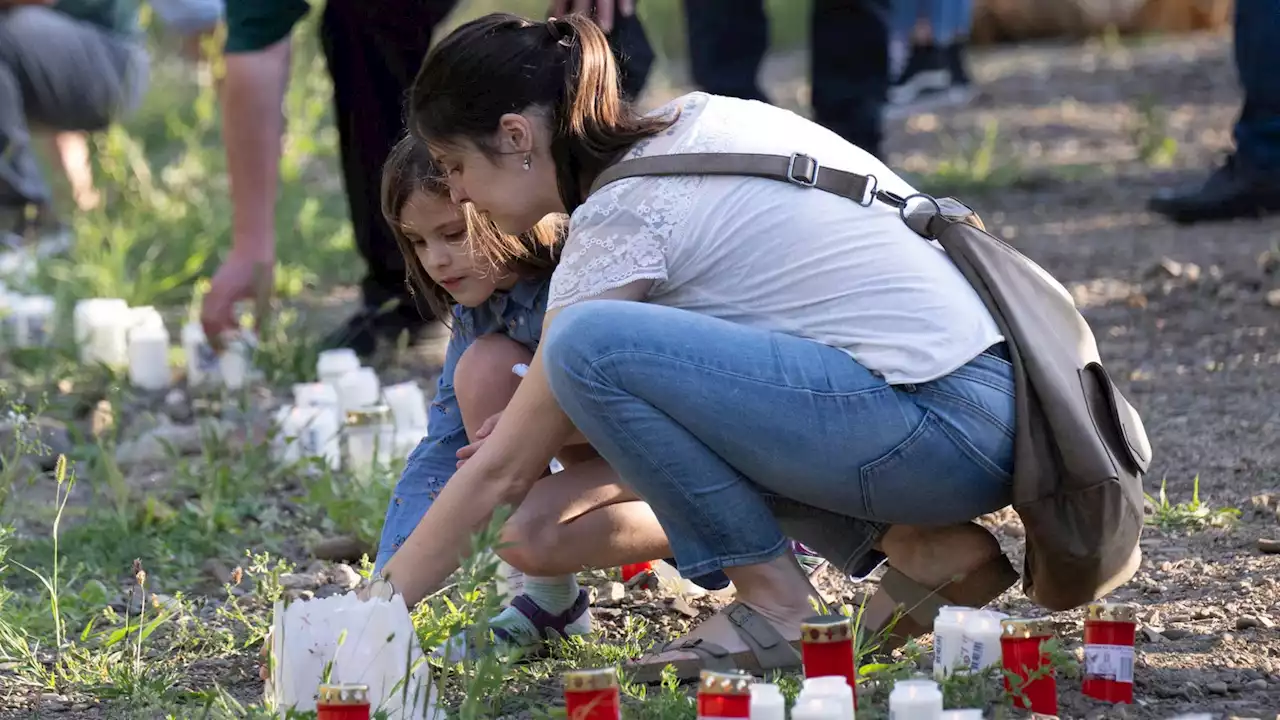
(516, 313)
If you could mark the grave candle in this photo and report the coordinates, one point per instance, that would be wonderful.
(834, 688)
(971, 714)
(767, 702)
(816, 709)
(149, 357)
(1108, 652)
(408, 404)
(980, 648)
(948, 635)
(342, 702)
(358, 389)
(1021, 654)
(592, 694)
(333, 364)
(918, 699)
(202, 361)
(724, 695)
(826, 648)
(33, 320)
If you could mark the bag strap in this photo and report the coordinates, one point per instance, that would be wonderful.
(928, 220)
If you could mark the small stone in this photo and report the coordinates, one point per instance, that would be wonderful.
(342, 548)
(682, 606)
(613, 592)
(1152, 635)
(1266, 622)
(299, 581)
(1258, 684)
(1268, 546)
(343, 576)
(103, 419)
(329, 590)
(51, 697)
(217, 570)
(1244, 622)
(1176, 633)
(1178, 618)
(1273, 298)
(607, 612)
(1191, 690)
(1217, 687)
(1228, 637)
(81, 707)
(299, 594)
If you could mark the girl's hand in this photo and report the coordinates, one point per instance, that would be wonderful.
(485, 430)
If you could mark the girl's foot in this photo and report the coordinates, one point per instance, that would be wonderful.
(522, 628)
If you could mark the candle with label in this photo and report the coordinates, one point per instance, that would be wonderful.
(833, 688)
(1021, 654)
(980, 646)
(948, 635)
(1108, 652)
(724, 695)
(342, 702)
(826, 648)
(592, 694)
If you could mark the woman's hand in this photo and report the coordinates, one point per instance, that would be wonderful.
(465, 453)
(602, 11)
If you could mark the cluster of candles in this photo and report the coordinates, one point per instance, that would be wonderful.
(965, 640)
(971, 640)
(349, 418)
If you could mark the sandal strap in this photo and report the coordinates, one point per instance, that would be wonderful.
(712, 656)
(544, 621)
(921, 603)
(772, 651)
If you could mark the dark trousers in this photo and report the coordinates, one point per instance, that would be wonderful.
(849, 50)
(61, 74)
(1257, 46)
(374, 49)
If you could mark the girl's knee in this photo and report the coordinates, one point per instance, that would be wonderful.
(483, 381)
(530, 545)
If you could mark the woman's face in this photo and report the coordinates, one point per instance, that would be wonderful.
(515, 186)
(437, 231)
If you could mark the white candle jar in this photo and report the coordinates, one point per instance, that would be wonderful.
(948, 635)
(92, 306)
(919, 699)
(149, 357)
(408, 405)
(33, 319)
(359, 389)
(202, 361)
(107, 339)
(333, 364)
(980, 648)
(369, 434)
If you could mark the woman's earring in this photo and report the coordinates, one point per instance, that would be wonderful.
(528, 161)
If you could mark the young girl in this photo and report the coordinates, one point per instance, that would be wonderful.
(580, 519)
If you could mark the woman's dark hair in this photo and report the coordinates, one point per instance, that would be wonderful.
(502, 63)
(409, 169)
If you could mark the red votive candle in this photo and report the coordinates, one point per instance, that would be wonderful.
(592, 694)
(1108, 652)
(342, 702)
(1021, 654)
(826, 648)
(631, 570)
(723, 695)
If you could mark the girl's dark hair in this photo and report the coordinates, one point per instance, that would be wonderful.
(502, 63)
(409, 169)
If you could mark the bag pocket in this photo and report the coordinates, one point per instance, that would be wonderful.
(1126, 436)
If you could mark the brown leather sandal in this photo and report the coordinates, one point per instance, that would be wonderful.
(918, 605)
(768, 651)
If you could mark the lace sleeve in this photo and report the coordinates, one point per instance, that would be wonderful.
(615, 238)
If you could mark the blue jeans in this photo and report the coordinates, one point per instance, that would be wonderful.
(948, 19)
(1257, 46)
(723, 429)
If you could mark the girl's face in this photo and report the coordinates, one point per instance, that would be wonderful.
(438, 232)
(516, 186)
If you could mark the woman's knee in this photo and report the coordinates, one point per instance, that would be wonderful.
(483, 381)
(580, 335)
(531, 544)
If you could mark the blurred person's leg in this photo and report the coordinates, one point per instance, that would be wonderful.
(373, 50)
(850, 47)
(952, 21)
(727, 43)
(1248, 184)
(59, 74)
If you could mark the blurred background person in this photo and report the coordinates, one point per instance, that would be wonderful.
(848, 50)
(928, 43)
(1248, 182)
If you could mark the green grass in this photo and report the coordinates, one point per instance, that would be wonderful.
(1192, 515)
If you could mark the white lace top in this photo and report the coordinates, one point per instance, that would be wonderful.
(775, 256)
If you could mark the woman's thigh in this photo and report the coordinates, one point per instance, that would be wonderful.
(800, 419)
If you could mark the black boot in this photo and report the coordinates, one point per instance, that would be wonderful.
(370, 327)
(1232, 191)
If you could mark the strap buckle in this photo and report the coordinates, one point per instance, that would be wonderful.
(803, 170)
